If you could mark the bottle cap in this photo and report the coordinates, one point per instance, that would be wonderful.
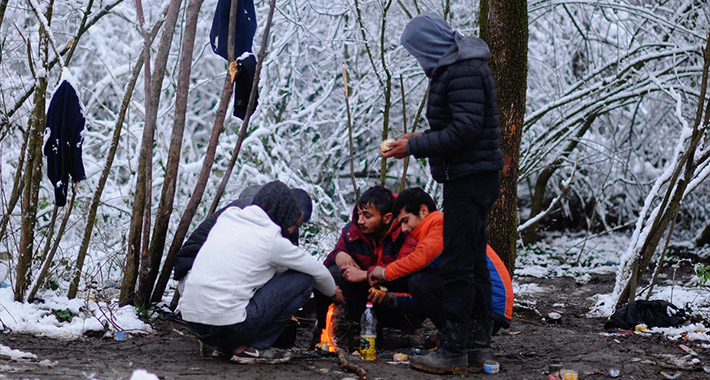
(369, 304)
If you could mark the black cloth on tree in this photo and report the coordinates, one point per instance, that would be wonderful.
(244, 30)
(65, 123)
(242, 86)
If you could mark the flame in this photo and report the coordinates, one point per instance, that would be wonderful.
(327, 336)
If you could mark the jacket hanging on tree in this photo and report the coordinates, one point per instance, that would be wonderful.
(243, 39)
(64, 138)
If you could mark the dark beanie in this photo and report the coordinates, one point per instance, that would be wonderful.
(304, 202)
(279, 203)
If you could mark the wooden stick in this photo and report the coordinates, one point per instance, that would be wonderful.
(344, 363)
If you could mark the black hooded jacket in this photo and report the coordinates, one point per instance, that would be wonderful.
(461, 108)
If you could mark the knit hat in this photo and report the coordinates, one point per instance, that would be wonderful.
(279, 203)
(304, 202)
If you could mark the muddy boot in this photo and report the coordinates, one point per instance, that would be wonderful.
(479, 345)
(450, 357)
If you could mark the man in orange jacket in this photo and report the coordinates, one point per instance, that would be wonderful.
(417, 215)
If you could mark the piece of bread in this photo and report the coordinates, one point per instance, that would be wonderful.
(384, 146)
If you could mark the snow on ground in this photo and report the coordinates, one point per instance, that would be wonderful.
(141, 374)
(8, 352)
(573, 255)
(580, 256)
(60, 317)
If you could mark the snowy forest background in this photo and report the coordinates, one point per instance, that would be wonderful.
(612, 107)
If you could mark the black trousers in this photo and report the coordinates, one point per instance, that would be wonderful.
(427, 290)
(463, 267)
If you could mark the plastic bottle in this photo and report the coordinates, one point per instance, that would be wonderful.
(368, 332)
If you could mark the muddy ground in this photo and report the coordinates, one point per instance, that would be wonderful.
(524, 352)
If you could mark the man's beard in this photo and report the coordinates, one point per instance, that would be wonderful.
(378, 231)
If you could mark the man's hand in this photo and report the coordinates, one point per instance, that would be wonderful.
(376, 276)
(354, 274)
(338, 296)
(343, 260)
(380, 297)
(398, 149)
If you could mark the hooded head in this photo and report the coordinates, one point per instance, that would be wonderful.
(428, 37)
(304, 203)
(279, 203)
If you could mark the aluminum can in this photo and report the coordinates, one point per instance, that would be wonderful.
(491, 366)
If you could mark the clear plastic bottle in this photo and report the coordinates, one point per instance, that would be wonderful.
(368, 332)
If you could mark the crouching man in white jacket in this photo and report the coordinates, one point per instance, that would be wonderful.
(248, 280)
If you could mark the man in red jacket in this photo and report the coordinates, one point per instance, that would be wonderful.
(371, 238)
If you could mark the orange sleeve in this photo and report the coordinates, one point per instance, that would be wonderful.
(427, 249)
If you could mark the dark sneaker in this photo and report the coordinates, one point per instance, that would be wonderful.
(269, 355)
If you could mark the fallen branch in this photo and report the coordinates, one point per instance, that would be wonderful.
(345, 364)
(565, 189)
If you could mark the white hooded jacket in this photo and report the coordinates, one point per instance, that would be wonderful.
(243, 251)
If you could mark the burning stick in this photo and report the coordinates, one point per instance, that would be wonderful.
(345, 364)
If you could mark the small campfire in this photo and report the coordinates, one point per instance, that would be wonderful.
(327, 336)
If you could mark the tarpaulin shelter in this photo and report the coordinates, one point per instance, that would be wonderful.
(64, 138)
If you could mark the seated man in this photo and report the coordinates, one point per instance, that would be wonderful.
(248, 279)
(371, 238)
(186, 255)
(417, 214)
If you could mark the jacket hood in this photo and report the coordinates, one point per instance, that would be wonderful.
(279, 203)
(430, 39)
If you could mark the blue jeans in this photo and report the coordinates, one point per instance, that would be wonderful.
(267, 314)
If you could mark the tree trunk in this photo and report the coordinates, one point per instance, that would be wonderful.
(48, 256)
(3, 6)
(504, 26)
(250, 109)
(704, 237)
(130, 273)
(197, 193)
(90, 219)
(151, 266)
(33, 170)
(17, 186)
(675, 193)
(538, 200)
(199, 190)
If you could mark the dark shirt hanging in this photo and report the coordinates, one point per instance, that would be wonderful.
(242, 86)
(243, 39)
(65, 123)
(244, 31)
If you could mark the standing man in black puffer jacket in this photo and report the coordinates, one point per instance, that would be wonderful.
(464, 154)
